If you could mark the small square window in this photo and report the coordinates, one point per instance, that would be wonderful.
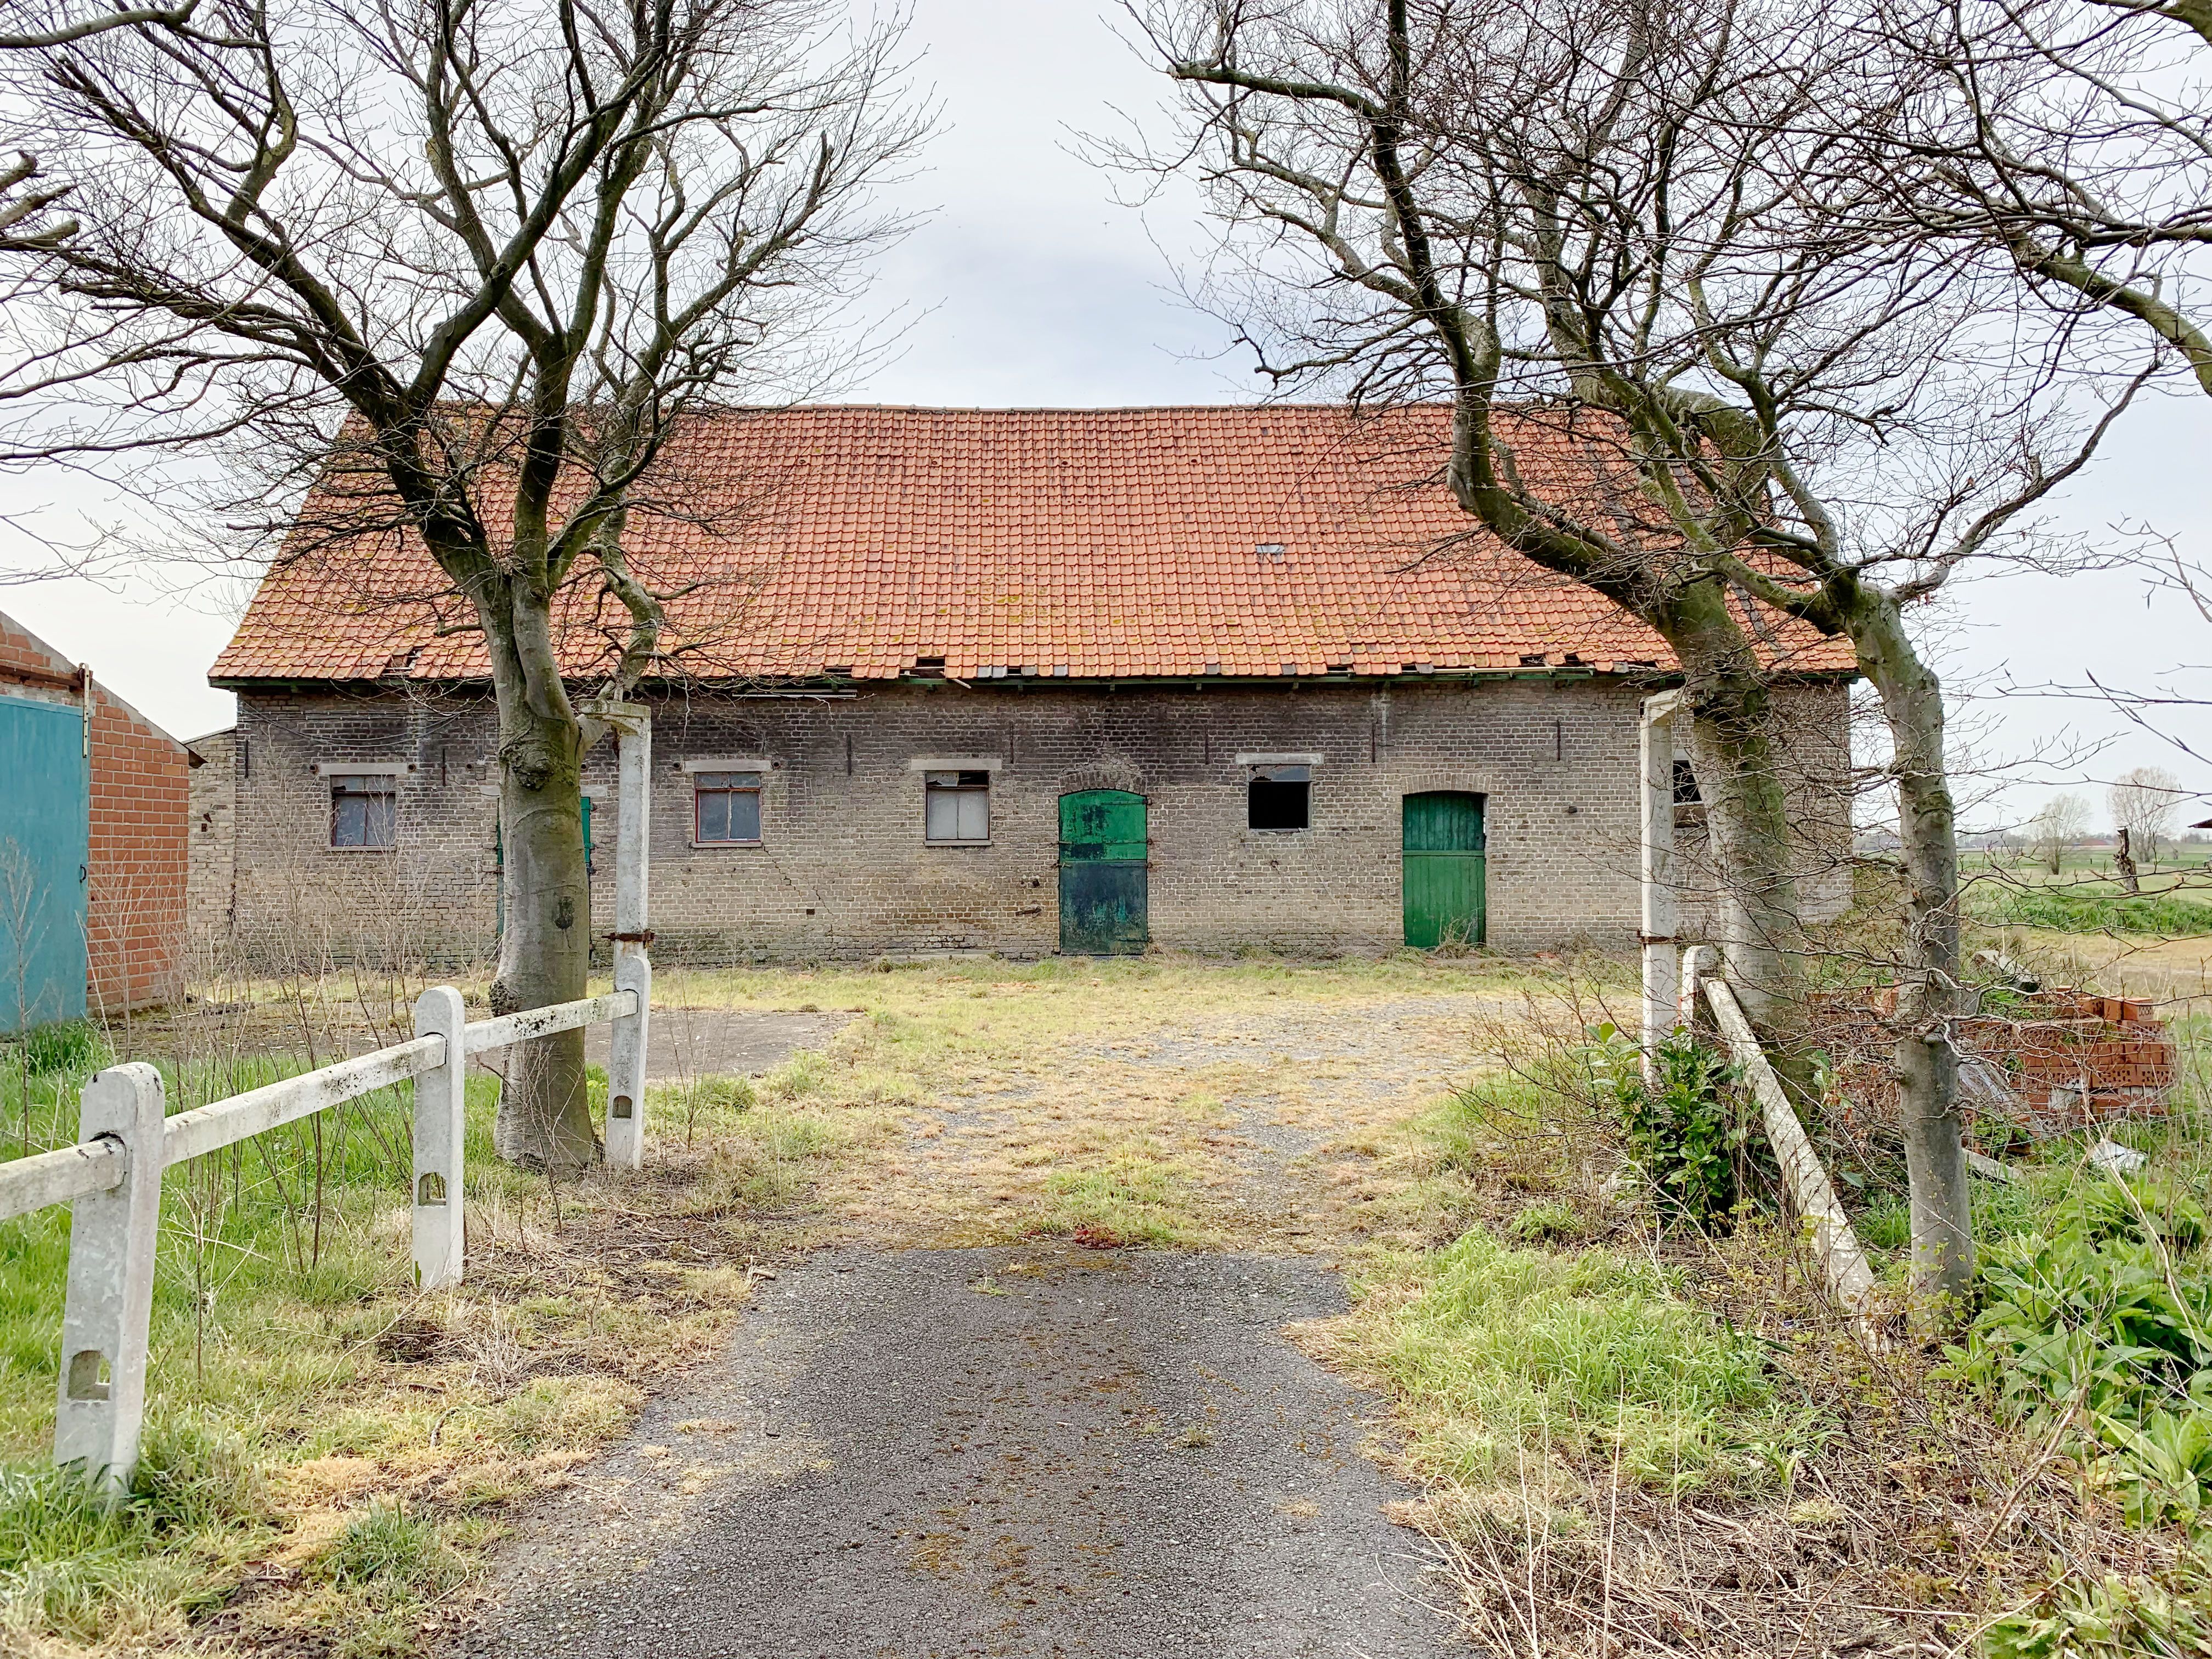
(1279, 798)
(957, 806)
(725, 808)
(364, 808)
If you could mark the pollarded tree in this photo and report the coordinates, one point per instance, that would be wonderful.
(1598, 217)
(462, 265)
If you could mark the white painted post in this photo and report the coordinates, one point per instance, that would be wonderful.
(633, 966)
(102, 1403)
(441, 1135)
(1659, 1013)
(1696, 962)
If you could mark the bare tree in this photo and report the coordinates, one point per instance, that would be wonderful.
(464, 269)
(2063, 823)
(2145, 803)
(1593, 224)
(2071, 139)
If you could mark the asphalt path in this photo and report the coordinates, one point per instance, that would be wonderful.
(1025, 1453)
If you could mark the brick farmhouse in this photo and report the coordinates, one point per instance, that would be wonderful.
(1018, 681)
(92, 854)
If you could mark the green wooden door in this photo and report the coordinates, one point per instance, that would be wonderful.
(1102, 873)
(1444, 869)
(45, 795)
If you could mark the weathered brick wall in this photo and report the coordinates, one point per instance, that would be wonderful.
(136, 869)
(843, 869)
(213, 832)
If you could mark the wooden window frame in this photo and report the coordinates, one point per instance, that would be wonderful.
(970, 781)
(339, 783)
(757, 789)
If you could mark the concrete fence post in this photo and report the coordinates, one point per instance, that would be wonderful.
(440, 1132)
(101, 1409)
(1657, 872)
(626, 1047)
(1697, 961)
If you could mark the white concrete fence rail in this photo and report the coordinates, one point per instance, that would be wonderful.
(127, 1140)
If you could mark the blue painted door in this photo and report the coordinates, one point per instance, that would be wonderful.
(46, 796)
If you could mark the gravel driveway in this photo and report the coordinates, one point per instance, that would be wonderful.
(1009, 1452)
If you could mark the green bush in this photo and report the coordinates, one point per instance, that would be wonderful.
(1689, 1135)
(2112, 1618)
(68, 1045)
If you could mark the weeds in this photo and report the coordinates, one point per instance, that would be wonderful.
(1133, 1199)
(1501, 1355)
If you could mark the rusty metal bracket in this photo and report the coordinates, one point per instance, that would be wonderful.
(645, 937)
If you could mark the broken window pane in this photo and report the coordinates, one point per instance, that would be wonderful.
(1686, 785)
(1278, 797)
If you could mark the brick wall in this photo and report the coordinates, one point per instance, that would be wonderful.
(212, 827)
(843, 870)
(135, 911)
(136, 870)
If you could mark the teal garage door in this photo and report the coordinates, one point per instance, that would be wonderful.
(45, 799)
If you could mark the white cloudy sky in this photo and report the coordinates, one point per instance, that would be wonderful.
(1029, 284)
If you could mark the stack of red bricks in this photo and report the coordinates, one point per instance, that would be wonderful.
(2062, 1060)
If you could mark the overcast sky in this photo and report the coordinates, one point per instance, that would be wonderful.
(1028, 284)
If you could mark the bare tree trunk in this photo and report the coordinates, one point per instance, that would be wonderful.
(1927, 976)
(544, 1118)
(2123, 861)
(1747, 808)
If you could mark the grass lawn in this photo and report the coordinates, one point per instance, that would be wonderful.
(330, 1451)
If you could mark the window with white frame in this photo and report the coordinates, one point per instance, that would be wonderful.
(364, 810)
(725, 808)
(957, 806)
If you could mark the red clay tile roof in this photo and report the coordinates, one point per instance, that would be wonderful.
(1125, 542)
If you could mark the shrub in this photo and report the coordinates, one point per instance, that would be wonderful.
(2112, 1618)
(1689, 1134)
(2161, 915)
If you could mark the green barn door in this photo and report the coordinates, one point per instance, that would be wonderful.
(1443, 870)
(1102, 873)
(46, 796)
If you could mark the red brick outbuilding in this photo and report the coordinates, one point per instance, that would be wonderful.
(136, 809)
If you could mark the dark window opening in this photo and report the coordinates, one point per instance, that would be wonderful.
(364, 810)
(1279, 798)
(957, 806)
(1686, 786)
(725, 808)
